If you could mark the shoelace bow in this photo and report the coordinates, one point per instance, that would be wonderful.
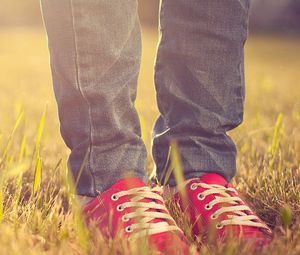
(140, 210)
(236, 213)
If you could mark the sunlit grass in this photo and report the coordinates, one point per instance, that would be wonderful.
(38, 211)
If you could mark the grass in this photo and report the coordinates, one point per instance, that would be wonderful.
(38, 212)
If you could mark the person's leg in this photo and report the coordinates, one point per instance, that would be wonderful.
(200, 89)
(95, 49)
(200, 84)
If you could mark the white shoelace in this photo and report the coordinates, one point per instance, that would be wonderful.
(144, 226)
(236, 213)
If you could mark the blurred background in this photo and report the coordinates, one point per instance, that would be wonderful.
(266, 15)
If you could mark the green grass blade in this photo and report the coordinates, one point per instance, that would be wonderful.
(37, 174)
(23, 149)
(38, 162)
(41, 128)
(143, 128)
(8, 145)
(83, 165)
(177, 169)
(273, 149)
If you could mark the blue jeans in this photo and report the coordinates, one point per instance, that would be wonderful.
(95, 50)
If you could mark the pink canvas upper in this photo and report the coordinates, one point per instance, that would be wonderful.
(104, 211)
(202, 214)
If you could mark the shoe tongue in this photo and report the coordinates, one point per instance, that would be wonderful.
(128, 183)
(214, 179)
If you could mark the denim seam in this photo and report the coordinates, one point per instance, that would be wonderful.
(88, 164)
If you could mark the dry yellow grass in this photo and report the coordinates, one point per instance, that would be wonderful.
(268, 143)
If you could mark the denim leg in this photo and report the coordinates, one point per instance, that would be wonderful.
(200, 84)
(95, 51)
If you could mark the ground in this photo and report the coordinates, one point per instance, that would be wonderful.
(39, 214)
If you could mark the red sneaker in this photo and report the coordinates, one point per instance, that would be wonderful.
(132, 209)
(215, 208)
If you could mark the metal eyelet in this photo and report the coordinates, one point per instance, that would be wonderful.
(213, 217)
(208, 207)
(125, 219)
(120, 208)
(129, 229)
(200, 197)
(114, 197)
(219, 226)
(193, 186)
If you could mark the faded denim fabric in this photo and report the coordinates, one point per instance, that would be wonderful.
(199, 78)
(95, 52)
